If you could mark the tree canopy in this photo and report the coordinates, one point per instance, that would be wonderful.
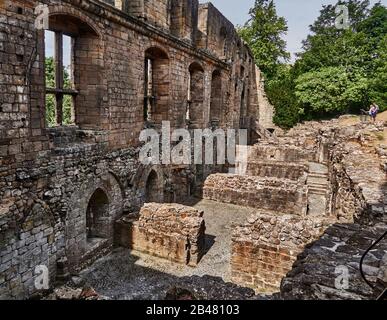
(263, 33)
(338, 71)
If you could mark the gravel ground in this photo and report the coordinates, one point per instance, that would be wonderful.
(133, 275)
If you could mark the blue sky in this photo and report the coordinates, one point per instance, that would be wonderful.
(299, 14)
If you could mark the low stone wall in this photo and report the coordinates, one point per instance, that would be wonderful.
(280, 170)
(282, 196)
(171, 231)
(284, 153)
(265, 248)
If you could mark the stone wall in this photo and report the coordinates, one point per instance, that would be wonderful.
(171, 231)
(280, 170)
(280, 152)
(266, 109)
(279, 196)
(265, 248)
(62, 188)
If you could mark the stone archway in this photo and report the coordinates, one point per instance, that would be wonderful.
(95, 206)
(153, 188)
(97, 215)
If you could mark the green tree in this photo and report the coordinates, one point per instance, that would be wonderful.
(263, 32)
(329, 46)
(281, 93)
(343, 68)
(331, 91)
(378, 79)
(50, 98)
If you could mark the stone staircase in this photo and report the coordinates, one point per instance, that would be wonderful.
(318, 189)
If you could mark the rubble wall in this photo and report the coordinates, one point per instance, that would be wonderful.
(171, 231)
(52, 179)
(265, 248)
(279, 196)
(274, 169)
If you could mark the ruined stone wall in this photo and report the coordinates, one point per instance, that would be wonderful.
(265, 248)
(266, 109)
(279, 196)
(280, 170)
(280, 152)
(169, 231)
(62, 188)
(110, 84)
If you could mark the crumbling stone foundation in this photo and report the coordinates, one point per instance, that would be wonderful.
(169, 231)
(265, 248)
(277, 195)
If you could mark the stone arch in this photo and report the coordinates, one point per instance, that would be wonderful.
(216, 96)
(87, 75)
(100, 197)
(196, 95)
(156, 85)
(154, 189)
(96, 215)
(67, 10)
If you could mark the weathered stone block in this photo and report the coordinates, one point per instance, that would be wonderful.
(264, 249)
(170, 231)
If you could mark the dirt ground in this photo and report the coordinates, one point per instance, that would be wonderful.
(133, 275)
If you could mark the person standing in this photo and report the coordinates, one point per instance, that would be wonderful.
(374, 111)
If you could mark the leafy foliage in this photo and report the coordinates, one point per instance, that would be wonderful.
(281, 93)
(263, 33)
(331, 90)
(51, 100)
(338, 70)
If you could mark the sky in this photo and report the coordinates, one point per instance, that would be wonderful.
(298, 13)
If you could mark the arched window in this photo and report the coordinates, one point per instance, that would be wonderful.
(216, 97)
(195, 95)
(156, 82)
(73, 65)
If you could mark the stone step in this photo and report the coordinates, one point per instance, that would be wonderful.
(318, 168)
(317, 190)
(317, 181)
(317, 203)
(318, 175)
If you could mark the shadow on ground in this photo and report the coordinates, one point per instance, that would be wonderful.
(120, 277)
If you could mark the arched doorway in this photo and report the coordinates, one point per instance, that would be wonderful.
(153, 188)
(97, 216)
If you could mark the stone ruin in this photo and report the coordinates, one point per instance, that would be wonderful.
(71, 190)
(171, 231)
